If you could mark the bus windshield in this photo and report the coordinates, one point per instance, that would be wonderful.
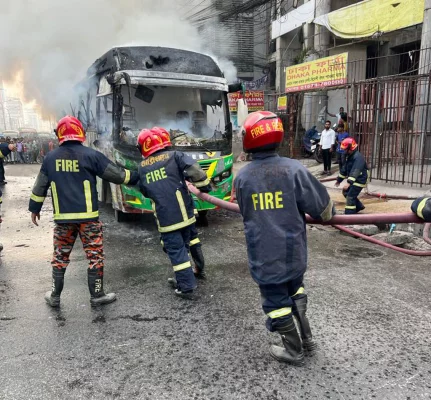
(195, 118)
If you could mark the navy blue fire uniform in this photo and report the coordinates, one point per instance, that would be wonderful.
(4, 152)
(355, 170)
(70, 172)
(422, 208)
(162, 179)
(274, 194)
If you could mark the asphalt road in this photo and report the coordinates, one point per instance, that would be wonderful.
(370, 309)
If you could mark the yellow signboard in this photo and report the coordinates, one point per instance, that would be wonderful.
(318, 74)
(282, 103)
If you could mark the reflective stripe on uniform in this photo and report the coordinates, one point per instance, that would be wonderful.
(71, 216)
(281, 312)
(421, 206)
(180, 225)
(350, 207)
(182, 205)
(182, 266)
(301, 290)
(87, 193)
(342, 176)
(350, 178)
(55, 198)
(37, 199)
(127, 178)
(202, 183)
(194, 241)
(362, 185)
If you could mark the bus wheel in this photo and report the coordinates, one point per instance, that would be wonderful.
(202, 218)
(119, 216)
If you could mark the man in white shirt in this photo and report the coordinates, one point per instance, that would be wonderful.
(327, 141)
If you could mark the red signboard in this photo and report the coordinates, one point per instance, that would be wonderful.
(255, 100)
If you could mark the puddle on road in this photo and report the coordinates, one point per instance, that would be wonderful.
(359, 252)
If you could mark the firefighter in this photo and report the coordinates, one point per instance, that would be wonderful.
(5, 150)
(70, 171)
(195, 243)
(355, 169)
(274, 194)
(162, 179)
(422, 208)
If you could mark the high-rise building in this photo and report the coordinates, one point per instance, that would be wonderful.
(15, 112)
(237, 30)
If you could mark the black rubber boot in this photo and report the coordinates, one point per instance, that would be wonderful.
(95, 285)
(172, 282)
(53, 297)
(299, 310)
(199, 260)
(292, 351)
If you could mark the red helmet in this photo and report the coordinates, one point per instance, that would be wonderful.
(149, 142)
(70, 128)
(164, 134)
(262, 130)
(349, 144)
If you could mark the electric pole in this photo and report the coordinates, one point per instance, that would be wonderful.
(423, 98)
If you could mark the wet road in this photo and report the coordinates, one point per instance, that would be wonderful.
(370, 309)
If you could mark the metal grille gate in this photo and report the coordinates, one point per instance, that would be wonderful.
(391, 118)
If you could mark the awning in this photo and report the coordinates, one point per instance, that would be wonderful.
(373, 17)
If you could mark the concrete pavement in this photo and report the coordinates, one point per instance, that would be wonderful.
(369, 307)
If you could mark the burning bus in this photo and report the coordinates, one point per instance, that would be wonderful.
(131, 88)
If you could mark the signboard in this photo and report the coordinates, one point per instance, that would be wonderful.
(255, 100)
(317, 74)
(282, 103)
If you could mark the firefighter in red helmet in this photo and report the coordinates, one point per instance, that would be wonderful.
(195, 242)
(274, 194)
(355, 170)
(70, 171)
(162, 179)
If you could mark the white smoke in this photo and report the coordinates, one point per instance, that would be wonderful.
(53, 42)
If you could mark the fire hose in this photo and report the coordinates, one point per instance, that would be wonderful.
(337, 220)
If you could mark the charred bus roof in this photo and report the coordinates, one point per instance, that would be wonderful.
(155, 59)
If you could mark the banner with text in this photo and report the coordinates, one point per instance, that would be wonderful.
(282, 103)
(255, 100)
(317, 74)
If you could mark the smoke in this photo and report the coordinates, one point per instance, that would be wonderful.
(53, 42)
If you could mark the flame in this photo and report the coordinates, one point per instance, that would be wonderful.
(15, 88)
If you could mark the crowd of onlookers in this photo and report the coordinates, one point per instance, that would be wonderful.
(28, 150)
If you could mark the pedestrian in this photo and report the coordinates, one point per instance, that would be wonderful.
(12, 157)
(34, 151)
(342, 117)
(5, 150)
(20, 150)
(327, 141)
(195, 243)
(422, 208)
(70, 171)
(355, 170)
(162, 180)
(50, 145)
(274, 194)
(340, 136)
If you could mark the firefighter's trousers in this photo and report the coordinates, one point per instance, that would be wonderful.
(353, 205)
(277, 301)
(176, 245)
(91, 235)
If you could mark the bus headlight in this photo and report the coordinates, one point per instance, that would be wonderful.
(223, 176)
